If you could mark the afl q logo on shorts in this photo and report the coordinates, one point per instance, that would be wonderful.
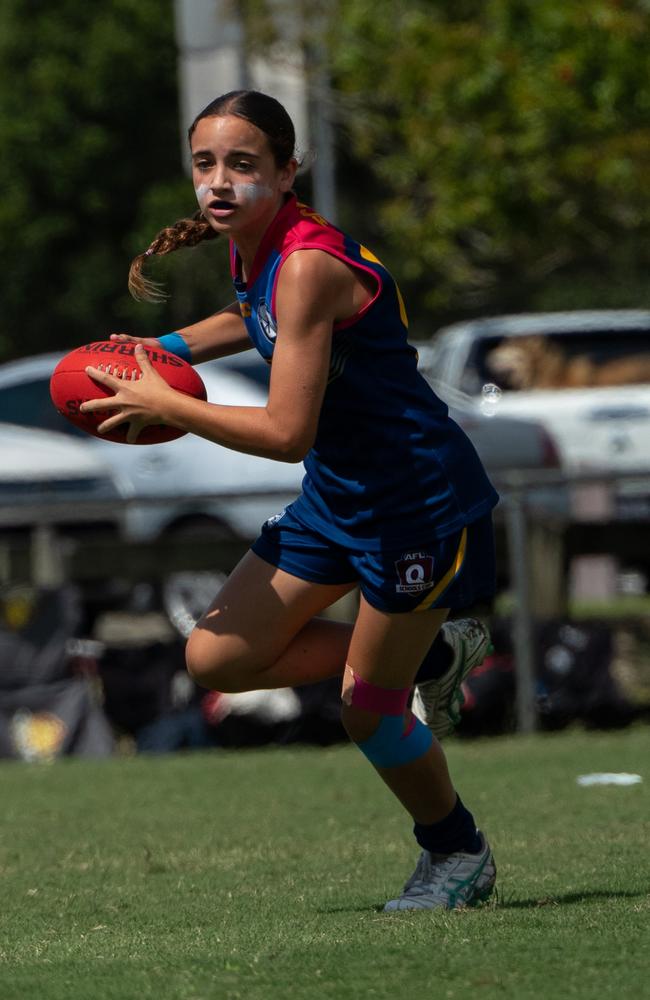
(414, 572)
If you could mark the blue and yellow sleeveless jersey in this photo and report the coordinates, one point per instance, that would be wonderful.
(388, 467)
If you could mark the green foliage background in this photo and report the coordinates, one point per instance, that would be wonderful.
(494, 152)
(91, 168)
(511, 139)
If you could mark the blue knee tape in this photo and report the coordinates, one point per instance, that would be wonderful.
(389, 746)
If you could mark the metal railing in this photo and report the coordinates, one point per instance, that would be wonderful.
(589, 498)
(528, 500)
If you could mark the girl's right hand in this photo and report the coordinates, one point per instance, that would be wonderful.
(126, 338)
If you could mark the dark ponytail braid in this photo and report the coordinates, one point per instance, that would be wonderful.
(184, 233)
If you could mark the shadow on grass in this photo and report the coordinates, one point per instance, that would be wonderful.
(567, 898)
(370, 908)
(563, 899)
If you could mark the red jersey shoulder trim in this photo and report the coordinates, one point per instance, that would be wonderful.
(334, 252)
(298, 227)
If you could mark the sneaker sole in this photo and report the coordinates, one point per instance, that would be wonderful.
(468, 663)
(457, 697)
(452, 693)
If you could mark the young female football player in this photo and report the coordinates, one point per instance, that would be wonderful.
(394, 500)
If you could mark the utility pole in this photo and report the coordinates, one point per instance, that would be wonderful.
(321, 111)
(211, 61)
(213, 58)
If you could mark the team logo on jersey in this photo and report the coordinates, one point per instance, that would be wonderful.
(414, 572)
(270, 521)
(266, 321)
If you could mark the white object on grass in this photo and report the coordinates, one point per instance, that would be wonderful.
(609, 778)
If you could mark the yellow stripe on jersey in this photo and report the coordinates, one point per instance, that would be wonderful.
(369, 255)
(453, 571)
(402, 308)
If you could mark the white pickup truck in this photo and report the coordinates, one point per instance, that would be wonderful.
(585, 375)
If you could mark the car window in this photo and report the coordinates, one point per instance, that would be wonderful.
(473, 376)
(568, 360)
(433, 359)
(29, 405)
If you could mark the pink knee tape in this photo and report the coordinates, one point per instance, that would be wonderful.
(384, 701)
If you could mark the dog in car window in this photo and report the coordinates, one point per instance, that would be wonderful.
(537, 362)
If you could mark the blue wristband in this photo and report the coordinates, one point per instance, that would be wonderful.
(175, 344)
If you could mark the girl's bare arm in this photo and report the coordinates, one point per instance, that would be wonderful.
(214, 337)
(314, 290)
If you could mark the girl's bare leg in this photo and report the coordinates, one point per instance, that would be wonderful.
(261, 632)
(386, 650)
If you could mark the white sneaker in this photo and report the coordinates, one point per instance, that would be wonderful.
(437, 703)
(448, 882)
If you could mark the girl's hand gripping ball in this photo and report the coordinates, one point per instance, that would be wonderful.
(71, 385)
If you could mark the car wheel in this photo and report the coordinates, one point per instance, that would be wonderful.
(184, 596)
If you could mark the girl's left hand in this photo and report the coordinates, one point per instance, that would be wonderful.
(138, 400)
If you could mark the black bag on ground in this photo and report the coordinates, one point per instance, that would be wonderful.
(574, 676)
(46, 721)
(35, 628)
(45, 711)
(574, 680)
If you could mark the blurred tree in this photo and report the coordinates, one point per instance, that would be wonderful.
(512, 142)
(501, 148)
(91, 171)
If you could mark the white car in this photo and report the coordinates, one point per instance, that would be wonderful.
(198, 487)
(38, 467)
(503, 442)
(49, 480)
(584, 375)
(244, 490)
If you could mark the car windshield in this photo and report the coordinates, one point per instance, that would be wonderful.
(29, 404)
(560, 361)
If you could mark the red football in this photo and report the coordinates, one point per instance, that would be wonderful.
(70, 386)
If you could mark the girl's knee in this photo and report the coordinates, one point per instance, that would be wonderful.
(365, 705)
(208, 663)
(218, 663)
(195, 662)
(358, 724)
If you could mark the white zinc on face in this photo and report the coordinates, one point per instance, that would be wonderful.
(202, 195)
(244, 193)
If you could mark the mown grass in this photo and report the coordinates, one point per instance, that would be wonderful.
(260, 875)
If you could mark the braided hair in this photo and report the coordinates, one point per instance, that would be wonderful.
(184, 233)
(260, 110)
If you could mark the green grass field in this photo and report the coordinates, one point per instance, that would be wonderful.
(260, 874)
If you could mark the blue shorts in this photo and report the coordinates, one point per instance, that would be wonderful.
(455, 572)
